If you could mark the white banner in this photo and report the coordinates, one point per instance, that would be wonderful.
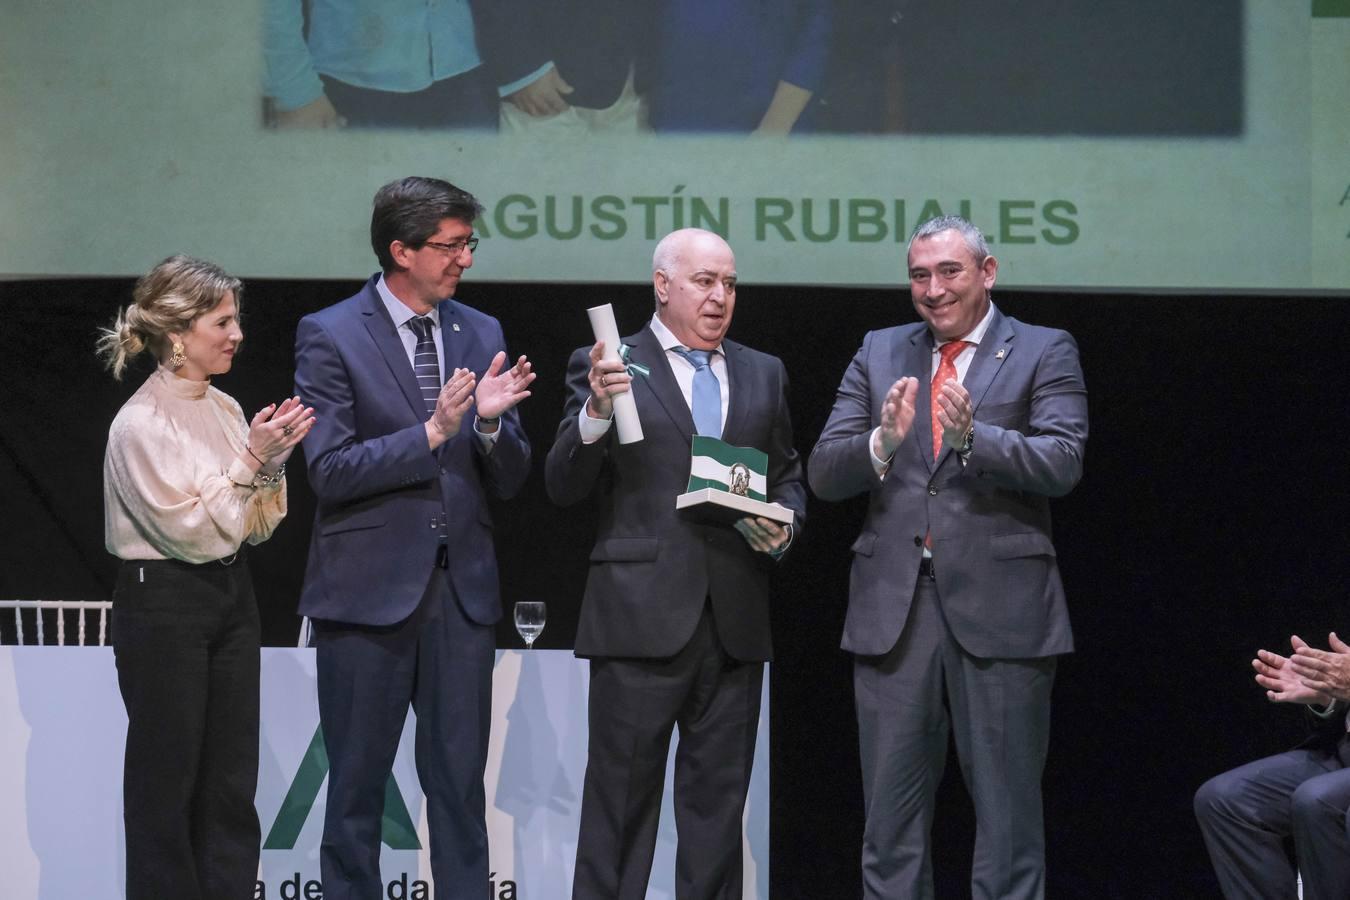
(62, 729)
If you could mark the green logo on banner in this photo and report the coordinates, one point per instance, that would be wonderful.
(397, 829)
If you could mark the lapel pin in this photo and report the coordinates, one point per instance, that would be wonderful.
(998, 355)
(455, 325)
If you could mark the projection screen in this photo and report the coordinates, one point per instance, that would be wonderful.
(1146, 145)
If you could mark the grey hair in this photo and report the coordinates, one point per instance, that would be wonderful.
(973, 237)
(168, 298)
(667, 251)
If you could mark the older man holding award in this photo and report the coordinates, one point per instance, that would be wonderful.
(675, 618)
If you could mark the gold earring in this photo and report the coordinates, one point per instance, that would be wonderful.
(178, 359)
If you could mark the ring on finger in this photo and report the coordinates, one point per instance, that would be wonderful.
(604, 381)
(288, 430)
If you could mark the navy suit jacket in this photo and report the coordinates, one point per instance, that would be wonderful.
(381, 489)
(717, 63)
(592, 43)
(653, 568)
(989, 519)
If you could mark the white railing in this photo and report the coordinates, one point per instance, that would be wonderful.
(62, 607)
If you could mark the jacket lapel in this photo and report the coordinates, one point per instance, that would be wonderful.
(382, 332)
(990, 355)
(661, 384)
(915, 357)
(989, 358)
(456, 338)
(738, 386)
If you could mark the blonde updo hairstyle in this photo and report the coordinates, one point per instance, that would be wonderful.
(167, 299)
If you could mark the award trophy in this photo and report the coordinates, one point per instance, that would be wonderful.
(727, 483)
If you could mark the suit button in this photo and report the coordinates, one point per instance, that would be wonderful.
(442, 470)
(932, 490)
(918, 541)
(434, 523)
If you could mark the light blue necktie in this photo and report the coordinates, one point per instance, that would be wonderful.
(707, 405)
(426, 364)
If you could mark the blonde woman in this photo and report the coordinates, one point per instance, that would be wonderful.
(187, 482)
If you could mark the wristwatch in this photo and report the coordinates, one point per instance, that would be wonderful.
(968, 444)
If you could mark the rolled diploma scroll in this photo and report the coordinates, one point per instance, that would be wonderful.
(625, 409)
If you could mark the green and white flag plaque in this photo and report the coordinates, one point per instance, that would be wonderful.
(727, 483)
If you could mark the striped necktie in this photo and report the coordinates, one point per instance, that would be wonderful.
(426, 365)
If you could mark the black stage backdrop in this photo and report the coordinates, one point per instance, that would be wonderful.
(1209, 522)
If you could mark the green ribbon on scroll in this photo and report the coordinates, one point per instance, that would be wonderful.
(634, 369)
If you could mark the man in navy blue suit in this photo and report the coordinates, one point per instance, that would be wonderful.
(416, 422)
(1249, 816)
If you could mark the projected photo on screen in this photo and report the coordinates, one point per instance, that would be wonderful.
(555, 67)
(1069, 131)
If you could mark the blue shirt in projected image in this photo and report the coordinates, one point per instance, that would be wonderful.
(384, 45)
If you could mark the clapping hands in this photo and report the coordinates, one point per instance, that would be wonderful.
(1325, 671)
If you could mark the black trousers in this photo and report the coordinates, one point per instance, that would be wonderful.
(186, 639)
(634, 705)
(464, 101)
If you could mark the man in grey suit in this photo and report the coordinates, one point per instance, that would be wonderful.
(675, 617)
(960, 429)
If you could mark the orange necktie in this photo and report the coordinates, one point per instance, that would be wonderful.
(946, 372)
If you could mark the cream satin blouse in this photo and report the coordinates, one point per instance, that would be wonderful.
(173, 486)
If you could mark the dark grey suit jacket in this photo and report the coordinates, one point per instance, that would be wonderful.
(989, 519)
(651, 567)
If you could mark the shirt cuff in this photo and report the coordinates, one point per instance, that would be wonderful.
(298, 91)
(880, 466)
(507, 90)
(487, 440)
(592, 429)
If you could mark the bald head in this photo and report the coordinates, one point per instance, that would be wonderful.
(680, 243)
(694, 279)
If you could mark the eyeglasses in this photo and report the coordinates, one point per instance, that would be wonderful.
(456, 248)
